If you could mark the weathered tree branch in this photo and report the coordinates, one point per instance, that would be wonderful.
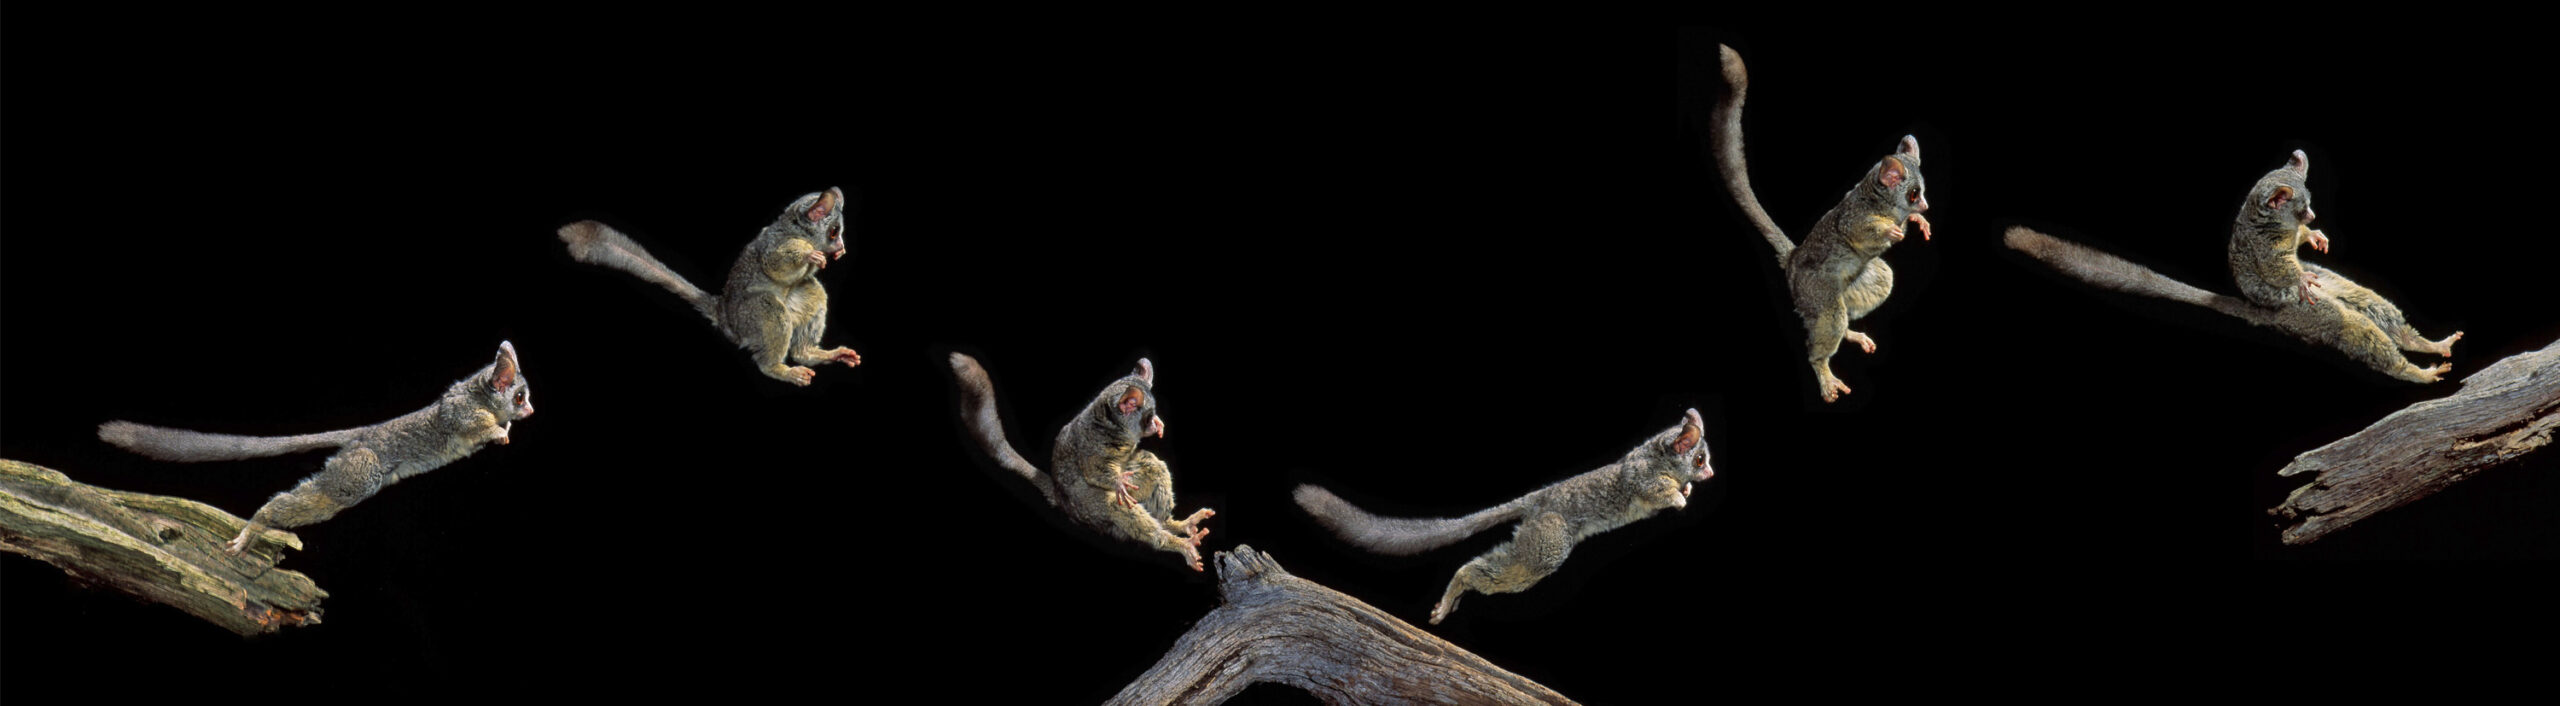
(1275, 627)
(2504, 411)
(157, 548)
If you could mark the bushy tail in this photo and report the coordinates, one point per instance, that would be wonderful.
(597, 244)
(1397, 536)
(2111, 272)
(1724, 137)
(978, 412)
(2316, 325)
(187, 446)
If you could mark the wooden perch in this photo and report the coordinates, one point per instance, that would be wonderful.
(2504, 411)
(157, 548)
(1275, 627)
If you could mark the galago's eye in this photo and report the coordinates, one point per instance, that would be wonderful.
(1911, 196)
(1698, 461)
(520, 397)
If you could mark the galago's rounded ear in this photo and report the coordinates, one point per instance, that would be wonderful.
(827, 202)
(1692, 430)
(2282, 196)
(1910, 146)
(1891, 173)
(505, 377)
(2300, 163)
(1131, 400)
(1146, 371)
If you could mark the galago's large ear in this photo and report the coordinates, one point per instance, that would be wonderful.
(2300, 163)
(827, 202)
(2277, 200)
(1891, 173)
(1146, 371)
(1910, 146)
(1131, 400)
(1692, 429)
(505, 377)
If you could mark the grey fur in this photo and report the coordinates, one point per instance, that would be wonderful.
(1726, 131)
(1655, 475)
(598, 244)
(477, 410)
(2266, 239)
(2115, 273)
(2309, 302)
(1400, 536)
(1837, 274)
(188, 446)
(1093, 455)
(772, 304)
(978, 413)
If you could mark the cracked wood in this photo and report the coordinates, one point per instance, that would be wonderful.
(157, 548)
(2504, 411)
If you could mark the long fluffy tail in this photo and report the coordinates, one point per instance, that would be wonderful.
(2316, 325)
(188, 446)
(978, 412)
(598, 244)
(1397, 536)
(2111, 272)
(1724, 137)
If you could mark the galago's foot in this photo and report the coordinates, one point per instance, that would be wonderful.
(1196, 517)
(797, 375)
(844, 355)
(1832, 388)
(2436, 372)
(2445, 347)
(2309, 282)
(1864, 343)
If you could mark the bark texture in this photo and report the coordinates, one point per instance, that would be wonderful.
(1274, 627)
(2504, 411)
(156, 548)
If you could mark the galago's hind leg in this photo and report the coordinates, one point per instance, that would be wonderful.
(1536, 549)
(1862, 297)
(1823, 332)
(344, 480)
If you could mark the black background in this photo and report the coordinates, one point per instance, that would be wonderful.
(1431, 269)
